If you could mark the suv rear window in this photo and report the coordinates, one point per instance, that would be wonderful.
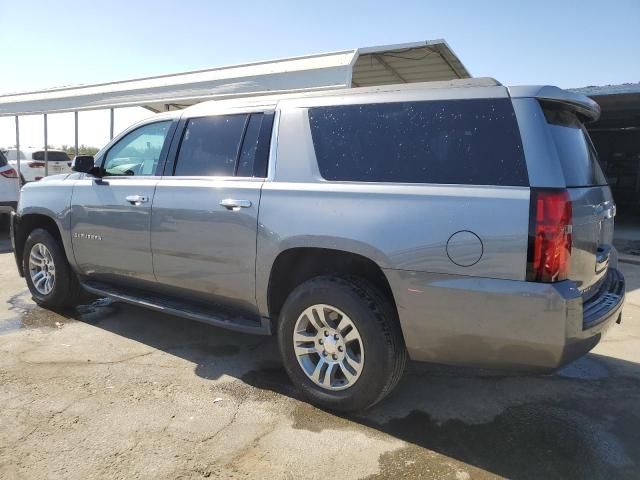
(473, 142)
(53, 156)
(578, 157)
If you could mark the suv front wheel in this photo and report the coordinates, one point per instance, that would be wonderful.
(49, 277)
(341, 343)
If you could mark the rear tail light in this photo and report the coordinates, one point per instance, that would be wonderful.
(9, 173)
(550, 240)
(35, 164)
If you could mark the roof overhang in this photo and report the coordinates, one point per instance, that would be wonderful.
(619, 105)
(402, 63)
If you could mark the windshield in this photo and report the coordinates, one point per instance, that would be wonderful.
(578, 157)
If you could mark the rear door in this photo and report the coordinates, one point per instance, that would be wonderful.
(205, 210)
(592, 202)
(111, 216)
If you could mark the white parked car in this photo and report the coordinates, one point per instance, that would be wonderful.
(32, 163)
(9, 186)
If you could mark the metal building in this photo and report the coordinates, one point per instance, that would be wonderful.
(616, 136)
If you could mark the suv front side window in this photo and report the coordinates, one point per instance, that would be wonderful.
(138, 152)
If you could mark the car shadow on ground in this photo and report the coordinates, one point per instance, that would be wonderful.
(583, 422)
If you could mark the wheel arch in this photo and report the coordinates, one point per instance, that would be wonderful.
(26, 223)
(295, 265)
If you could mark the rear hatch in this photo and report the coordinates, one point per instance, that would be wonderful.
(592, 205)
(58, 161)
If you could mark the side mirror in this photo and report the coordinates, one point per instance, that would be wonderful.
(82, 163)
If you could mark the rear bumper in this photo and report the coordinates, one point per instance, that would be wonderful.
(504, 324)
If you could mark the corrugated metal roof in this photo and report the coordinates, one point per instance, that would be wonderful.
(601, 90)
(620, 105)
(369, 66)
(407, 63)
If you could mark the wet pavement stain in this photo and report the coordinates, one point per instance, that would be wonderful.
(31, 316)
(530, 441)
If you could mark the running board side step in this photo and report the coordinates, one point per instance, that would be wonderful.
(245, 324)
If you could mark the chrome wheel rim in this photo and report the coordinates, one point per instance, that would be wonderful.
(328, 347)
(42, 269)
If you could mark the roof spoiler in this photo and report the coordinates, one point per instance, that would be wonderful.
(580, 103)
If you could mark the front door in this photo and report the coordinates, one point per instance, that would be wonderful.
(111, 216)
(205, 211)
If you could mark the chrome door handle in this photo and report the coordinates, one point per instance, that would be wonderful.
(137, 199)
(235, 205)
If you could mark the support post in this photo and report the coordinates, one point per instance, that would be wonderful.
(111, 115)
(76, 134)
(46, 148)
(18, 148)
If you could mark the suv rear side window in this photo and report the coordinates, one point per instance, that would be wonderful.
(578, 157)
(3, 160)
(249, 147)
(210, 146)
(474, 142)
(226, 145)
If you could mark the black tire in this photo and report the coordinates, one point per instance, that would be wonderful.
(66, 291)
(376, 321)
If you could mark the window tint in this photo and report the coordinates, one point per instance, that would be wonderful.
(450, 142)
(578, 157)
(138, 152)
(3, 160)
(210, 146)
(55, 156)
(249, 146)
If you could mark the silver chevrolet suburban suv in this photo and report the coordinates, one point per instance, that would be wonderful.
(459, 222)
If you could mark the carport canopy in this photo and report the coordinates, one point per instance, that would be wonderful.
(401, 63)
(619, 104)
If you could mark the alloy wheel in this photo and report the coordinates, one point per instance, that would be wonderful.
(328, 347)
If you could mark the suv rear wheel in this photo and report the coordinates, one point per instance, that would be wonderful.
(49, 277)
(341, 343)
